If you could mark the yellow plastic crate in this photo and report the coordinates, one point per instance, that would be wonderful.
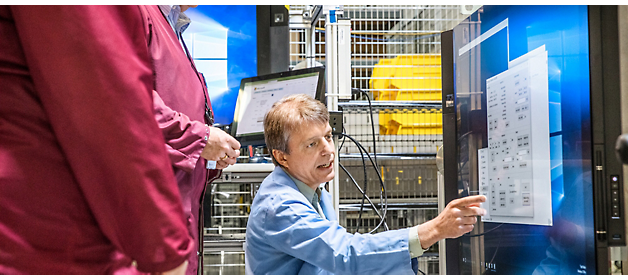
(380, 79)
(411, 122)
(418, 59)
(407, 77)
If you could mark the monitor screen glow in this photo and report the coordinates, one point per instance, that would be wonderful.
(257, 98)
(523, 73)
(258, 94)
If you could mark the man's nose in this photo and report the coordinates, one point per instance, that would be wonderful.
(328, 147)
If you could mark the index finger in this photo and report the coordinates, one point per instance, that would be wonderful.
(468, 201)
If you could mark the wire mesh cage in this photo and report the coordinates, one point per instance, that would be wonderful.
(223, 263)
(230, 208)
(395, 52)
(399, 128)
(395, 57)
(225, 227)
(406, 180)
(396, 218)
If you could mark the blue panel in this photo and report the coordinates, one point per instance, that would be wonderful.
(556, 156)
(225, 72)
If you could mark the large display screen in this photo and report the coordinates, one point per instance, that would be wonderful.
(223, 43)
(524, 137)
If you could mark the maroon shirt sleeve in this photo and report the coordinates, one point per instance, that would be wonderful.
(185, 138)
(92, 72)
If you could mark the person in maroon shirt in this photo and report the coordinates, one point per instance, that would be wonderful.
(86, 186)
(181, 103)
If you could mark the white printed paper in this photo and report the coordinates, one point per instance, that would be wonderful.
(514, 171)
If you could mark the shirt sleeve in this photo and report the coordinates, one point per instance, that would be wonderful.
(92, 74)
(185, 139)
(414, 242)
(295, 229)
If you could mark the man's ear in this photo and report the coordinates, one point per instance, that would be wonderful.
(281, 158)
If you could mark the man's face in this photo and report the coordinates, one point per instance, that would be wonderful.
(311, 155)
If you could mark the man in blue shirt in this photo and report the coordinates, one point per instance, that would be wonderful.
(293, 229)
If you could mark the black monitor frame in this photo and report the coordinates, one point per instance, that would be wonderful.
(258, 138)
(605, 128)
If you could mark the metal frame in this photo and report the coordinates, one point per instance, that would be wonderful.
(605, 128)
(338, 58)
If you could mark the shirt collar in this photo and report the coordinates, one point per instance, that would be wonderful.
(177, 19)
(308, 192)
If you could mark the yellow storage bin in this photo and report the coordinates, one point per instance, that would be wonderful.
(416, 122)
(414, 77)
(407, 77)
(380, 79)
(418, 59)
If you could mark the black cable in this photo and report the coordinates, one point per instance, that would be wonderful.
(209, 114)
(343, 140)
(359, 222)
(360, 190)
(372, 125)
(480, 234)
(383, 195)
(379, 176)
(375, 165)
(498, 243)
(363, 194)
(384, 207)
(383, 191)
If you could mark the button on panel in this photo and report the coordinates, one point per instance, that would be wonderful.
(615, 205)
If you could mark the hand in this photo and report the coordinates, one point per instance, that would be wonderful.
(457, 218)
(179, 270)
(221, 164)
(221, 147)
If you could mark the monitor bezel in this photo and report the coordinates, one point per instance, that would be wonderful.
(257, 139)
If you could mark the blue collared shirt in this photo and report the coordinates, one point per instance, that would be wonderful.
(177, 19)
(314, 197)
(286, 235)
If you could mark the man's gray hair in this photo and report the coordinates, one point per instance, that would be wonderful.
(288, 115)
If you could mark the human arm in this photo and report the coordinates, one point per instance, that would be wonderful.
(456, 219)
(294, 228)
(188, 140)
(92, 75)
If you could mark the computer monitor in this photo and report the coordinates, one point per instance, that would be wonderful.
(258, 94)
(523, 125)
